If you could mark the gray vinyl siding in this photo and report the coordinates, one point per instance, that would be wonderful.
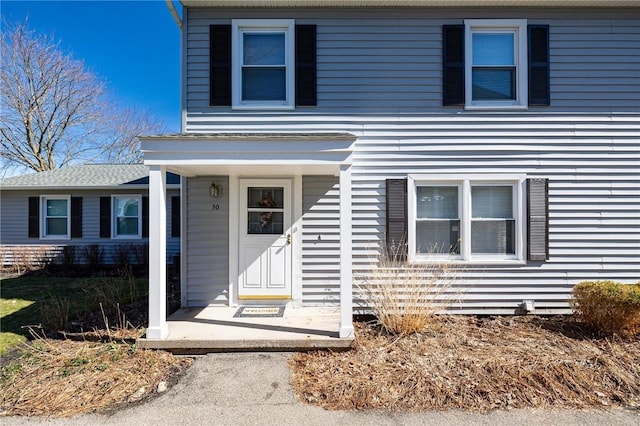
(14, 222)
(594, 198)
(379, 77)
(591, 162)
(390, 61)
(207, 243)
(320, 240)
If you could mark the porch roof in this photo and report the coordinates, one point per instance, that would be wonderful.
(249, 153)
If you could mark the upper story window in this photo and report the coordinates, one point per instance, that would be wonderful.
(263, 63)
(495, 63)
(56, 216)
(127, 216)
(466, 219)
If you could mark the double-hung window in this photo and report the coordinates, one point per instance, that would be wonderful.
(466, 219)
(438, 218)
(496, 63)
(127, 216)
(263, 59)
(56, 217)
(493, 230)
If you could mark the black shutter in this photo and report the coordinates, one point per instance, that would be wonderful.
(397, 219)
(175, 216)
(538, 219)
(105, 217)
(145, 217)
(538, 39)
(306, 65)
(220, 65)
(453, 64)
(34, 217)
(76, 217)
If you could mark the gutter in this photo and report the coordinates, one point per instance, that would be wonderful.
(411, 3)
(174, 13)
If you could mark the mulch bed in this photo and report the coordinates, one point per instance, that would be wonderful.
(61, 378)
(476, 364)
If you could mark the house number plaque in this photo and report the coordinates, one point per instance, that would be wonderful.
(215, 207)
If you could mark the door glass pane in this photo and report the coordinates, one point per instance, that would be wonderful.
(493, 49)
(438, 202)
(265, 197)
(492, 202)
(266, 222)
(438, 237)
(264, 84)
(493, 236)
(266, 210)
(263, 49)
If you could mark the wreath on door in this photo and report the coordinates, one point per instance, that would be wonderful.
(266, 217)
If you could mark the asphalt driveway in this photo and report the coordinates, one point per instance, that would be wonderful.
(253, 389)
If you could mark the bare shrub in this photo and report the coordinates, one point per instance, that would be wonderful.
(141, 254)
(94, 255)
(68, 258)
(4, 261)
(29, 258)
(54, 312)
(607, 306)
(405, 297)
(123, 253)
(111, 291)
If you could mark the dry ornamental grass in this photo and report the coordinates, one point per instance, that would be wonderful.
(474, 364)
(63, 378)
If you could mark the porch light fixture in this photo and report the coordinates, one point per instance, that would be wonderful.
(215, 190)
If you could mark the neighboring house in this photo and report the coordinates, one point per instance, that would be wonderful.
(104, 204)
(501, 135)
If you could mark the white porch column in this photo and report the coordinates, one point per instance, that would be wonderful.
(157, 253)
(346, 266)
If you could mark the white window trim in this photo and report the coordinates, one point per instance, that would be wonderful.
(114, 218)
(519, 26)
(43, 217)
(464, 182)
(239, 26)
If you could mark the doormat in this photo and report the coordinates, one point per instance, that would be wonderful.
(259, 312)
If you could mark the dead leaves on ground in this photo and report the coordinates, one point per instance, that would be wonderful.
(474, 364)
(61, 378)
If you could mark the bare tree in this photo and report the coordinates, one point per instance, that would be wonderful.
(123, 145)
(55, 112)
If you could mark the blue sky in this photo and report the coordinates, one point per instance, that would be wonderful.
(133, 45)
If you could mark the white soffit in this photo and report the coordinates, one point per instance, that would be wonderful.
(411, 3)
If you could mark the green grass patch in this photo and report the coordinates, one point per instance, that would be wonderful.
(52, 301)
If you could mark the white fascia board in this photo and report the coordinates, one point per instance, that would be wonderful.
(186, 162)
(270, 147)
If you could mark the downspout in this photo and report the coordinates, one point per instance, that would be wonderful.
(174, 13)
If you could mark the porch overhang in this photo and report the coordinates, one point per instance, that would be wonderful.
(249, 153)
(245, 155)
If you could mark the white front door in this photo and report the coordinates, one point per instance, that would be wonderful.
(265, 239)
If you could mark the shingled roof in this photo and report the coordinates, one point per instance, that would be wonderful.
(85, 176)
